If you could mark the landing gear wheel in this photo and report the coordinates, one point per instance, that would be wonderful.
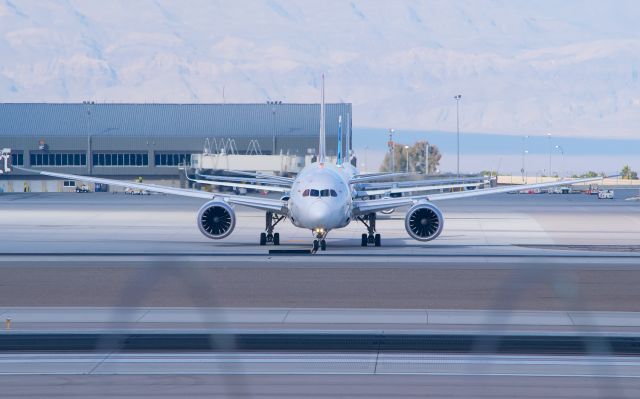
(269, 237)
(323, 245)
(316, 245)
(371, 239)
(376, 240)
(364, 241)
(263, 238)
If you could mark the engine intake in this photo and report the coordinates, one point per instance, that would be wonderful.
(424, 222)
(216, 220)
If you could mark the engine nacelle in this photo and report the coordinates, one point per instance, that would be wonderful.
(424, 221)
(216, 219)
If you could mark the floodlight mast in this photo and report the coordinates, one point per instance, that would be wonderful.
(391, 153)
(458, 98)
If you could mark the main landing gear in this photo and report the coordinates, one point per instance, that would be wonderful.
(371, 237)
(269, 237)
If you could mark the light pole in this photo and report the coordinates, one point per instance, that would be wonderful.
(549, 136)
(87, 108)
(391, 152)
(273, 139)
(406, 148)
(366, 147)
(559, 148)
(458, 98)
(524, 152)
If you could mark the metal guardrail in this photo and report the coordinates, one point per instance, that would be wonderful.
(274, 341)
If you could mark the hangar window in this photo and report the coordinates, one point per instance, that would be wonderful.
(69, 183)
(57, 159)
(17, 159)
(173, 159)
(121, 159)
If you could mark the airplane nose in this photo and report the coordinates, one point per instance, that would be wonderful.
(319, 214)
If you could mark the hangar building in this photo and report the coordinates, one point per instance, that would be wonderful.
(125, 141)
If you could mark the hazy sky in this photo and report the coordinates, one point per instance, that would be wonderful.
(567, 67)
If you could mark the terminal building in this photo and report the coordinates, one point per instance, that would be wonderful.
(150, 141)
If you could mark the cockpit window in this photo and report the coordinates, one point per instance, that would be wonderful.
(319, 193)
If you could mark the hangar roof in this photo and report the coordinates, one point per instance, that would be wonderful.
(201, 120)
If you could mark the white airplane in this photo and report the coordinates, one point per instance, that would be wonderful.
(321, 198)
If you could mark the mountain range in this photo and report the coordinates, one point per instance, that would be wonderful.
(522, 67)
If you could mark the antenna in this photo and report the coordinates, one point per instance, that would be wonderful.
(340, 156)
(321, 147)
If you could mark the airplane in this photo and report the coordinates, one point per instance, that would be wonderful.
(321, 198)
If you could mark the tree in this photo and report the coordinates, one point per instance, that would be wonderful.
(489, 173)
(588, 174)
(628, 174)
(416, 158)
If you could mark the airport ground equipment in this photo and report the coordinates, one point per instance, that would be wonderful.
(5, 158)
(606, 194)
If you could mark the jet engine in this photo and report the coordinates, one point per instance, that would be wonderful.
(424, 221)
(216, 219)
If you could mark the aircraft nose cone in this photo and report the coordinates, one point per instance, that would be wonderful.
(319, 214)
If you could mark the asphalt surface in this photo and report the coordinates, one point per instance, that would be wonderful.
(537, 252)
(513, 284)
(318, 386)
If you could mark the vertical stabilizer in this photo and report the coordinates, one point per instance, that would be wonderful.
(321, 147)
(348, 152)
(340, 154)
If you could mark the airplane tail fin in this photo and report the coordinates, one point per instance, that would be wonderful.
(340, 156)
(321, 147)
(349, 151)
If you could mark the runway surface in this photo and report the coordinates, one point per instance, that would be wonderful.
(528, 252)
(516, 284)
(318, 386)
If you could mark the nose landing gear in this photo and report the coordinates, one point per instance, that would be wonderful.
(371, 237)
(319, 242)
(269, 237)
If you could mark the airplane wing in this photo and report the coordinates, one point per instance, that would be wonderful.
(400, 190)
(257, 175)
(365, 178)
(424, 182)
(367, 206)
(362, 207)
(242, 185)
(249, 180)
(509, 189)
(266, 204)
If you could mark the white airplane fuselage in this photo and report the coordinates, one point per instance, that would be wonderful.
(320, 197)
